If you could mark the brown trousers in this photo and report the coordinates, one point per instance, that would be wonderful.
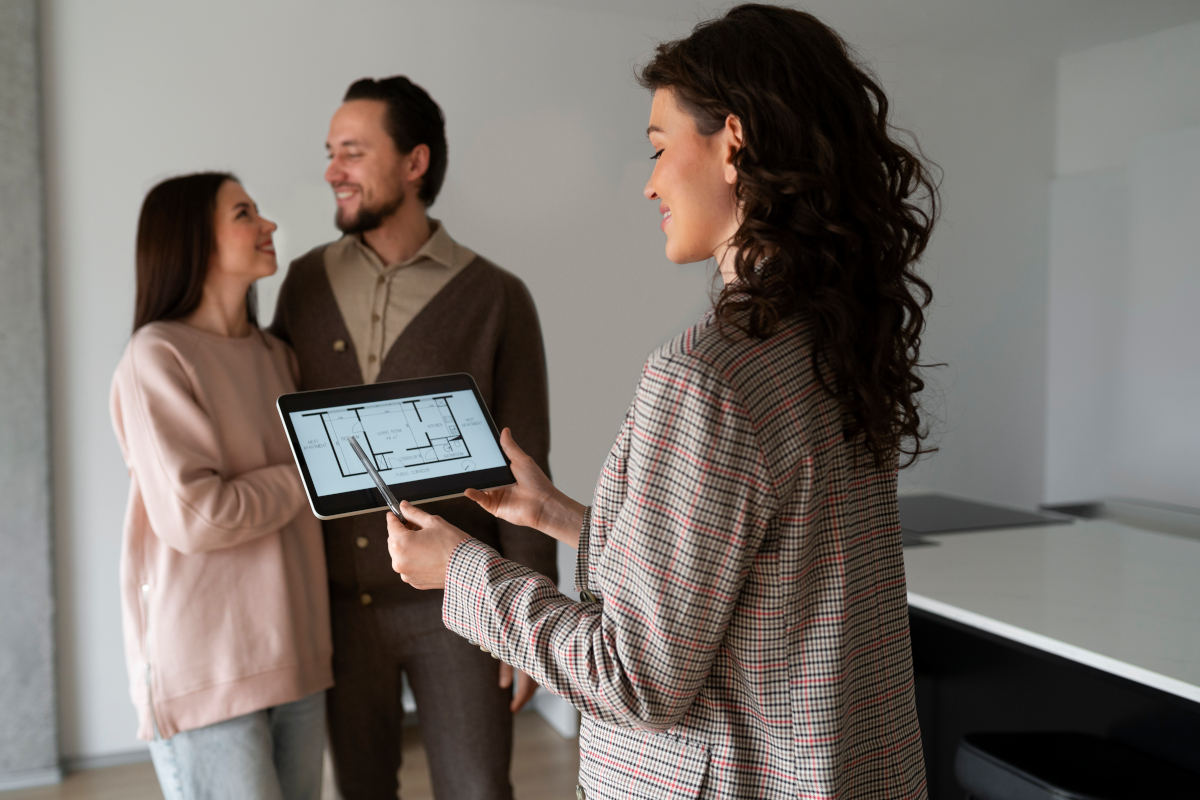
(465, 722)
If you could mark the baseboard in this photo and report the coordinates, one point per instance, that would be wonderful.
(27, 778)
(561, 715)
(80, 763)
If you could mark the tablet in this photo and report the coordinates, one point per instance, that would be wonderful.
(429, 439)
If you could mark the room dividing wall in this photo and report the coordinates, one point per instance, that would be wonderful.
(28, 723)
(1124, 366)
(986, 116)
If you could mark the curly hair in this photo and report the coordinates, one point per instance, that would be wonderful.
(834, 212)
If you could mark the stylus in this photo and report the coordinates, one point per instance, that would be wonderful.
(388, 497)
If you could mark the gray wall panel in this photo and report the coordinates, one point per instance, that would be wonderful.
(28, 726)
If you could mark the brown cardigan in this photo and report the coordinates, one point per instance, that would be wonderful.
(482, 322)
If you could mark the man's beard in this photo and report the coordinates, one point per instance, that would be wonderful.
(368, 219)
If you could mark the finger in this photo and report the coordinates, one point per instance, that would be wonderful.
(483, 499)
(400, 524)
(393, 548)
(511, 448)
(415, 515)
(526, 688)
(395, 525)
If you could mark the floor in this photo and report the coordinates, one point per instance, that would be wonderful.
(544, 768)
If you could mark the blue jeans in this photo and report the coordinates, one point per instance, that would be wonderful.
(273, 754)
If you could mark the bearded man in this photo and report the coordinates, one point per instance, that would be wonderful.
(395, 297)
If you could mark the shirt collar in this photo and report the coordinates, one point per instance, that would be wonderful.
(438, 248)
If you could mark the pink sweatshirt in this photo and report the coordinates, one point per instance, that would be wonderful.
(223, 586)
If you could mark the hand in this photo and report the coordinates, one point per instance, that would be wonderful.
(421, 549)
(521, 503)
(526, 686)
(532, 501)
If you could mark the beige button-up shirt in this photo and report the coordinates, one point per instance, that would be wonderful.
(378, 300)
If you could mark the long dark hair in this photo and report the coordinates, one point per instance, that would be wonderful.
(175, 241)
(835, 212)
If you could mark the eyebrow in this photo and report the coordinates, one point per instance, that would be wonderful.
(653, 129)
(344, 143)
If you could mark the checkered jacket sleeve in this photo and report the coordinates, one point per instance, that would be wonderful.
(681, 507)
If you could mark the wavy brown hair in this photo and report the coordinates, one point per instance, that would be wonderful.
(835, 211)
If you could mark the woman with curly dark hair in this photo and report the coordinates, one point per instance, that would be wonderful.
(742, 627)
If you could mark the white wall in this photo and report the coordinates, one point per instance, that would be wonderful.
(547, 161)
(1124, 374)
(1113, 96)
(986, 116)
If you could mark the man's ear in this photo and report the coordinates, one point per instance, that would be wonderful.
(732, 134)
(416, 163)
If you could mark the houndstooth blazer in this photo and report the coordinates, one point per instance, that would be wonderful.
(743, 627)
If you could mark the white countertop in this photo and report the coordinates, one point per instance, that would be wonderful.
(1121, 599)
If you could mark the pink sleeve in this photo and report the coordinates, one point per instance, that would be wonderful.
(172, 448)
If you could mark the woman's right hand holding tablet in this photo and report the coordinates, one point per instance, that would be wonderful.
(532, 501)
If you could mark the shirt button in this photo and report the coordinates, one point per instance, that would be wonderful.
(381, 280)
(375, 318)
(362, 542)
(339, 345)
(371, 359)
(365, 599)
(579, 793)
(484, 649)
(587, 597)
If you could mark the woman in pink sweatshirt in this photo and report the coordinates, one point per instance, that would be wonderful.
(224, 598)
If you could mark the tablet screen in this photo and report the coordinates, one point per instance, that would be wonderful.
(429, 438)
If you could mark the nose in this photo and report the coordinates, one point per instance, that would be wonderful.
(648, 190)
(268, 225)
(334, 172)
